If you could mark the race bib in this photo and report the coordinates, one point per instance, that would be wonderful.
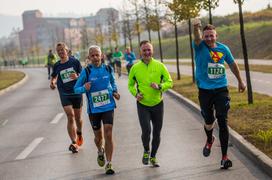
(100, 98)
(65, 74)
(215, 70)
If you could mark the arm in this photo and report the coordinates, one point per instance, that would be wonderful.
(167, 80)
(113, 85)
(80, 86)
(235, 70)
(131, 83)
(197, 32)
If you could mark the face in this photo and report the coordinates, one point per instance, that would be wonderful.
(95, 57)
(210, 37)
(62, 52)
(146, 51)
(128, 50)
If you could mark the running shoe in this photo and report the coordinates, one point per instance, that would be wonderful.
(79, 140)
(74, 148)
(207, 148)
(145, 157)
(226, 163)
(108, 168)
(154, 162)
(101, 158)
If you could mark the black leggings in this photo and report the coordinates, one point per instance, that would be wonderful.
(155, 114)
(218, 101)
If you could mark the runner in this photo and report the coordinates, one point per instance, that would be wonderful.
(152, 79)
(50, 61)
(117, 56)
(130, 58)
(65, 73)
(97, 81)
(211, 80)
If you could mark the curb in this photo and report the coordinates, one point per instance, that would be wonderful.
(14, 86)
(256, 156)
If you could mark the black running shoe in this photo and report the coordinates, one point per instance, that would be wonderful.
(207, 148)
(226, 163)
(74, 148)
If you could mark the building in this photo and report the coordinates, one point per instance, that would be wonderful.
(42, 33)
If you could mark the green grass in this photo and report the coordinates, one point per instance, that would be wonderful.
(8, 78)
(258, 38)
(253, 122)
(256, 68)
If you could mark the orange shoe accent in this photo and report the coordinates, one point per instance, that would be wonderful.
(79, 140)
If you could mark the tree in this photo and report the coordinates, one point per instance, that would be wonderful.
(244, 46)
(173, 19)
(185, 10)
(137, 25)
(146, 9)
(209, 5)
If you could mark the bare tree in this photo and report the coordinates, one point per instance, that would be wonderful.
(137, 25)
(209, 5)
(244, 46)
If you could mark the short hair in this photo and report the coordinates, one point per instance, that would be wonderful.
(209, 27)
(144, 42)
(95, 47)
(62, 44)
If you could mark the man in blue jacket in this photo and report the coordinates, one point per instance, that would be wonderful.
(98, 82)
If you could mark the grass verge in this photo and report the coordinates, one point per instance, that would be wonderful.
(253, 122)
(8, 78)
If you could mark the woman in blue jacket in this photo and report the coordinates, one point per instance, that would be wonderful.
(98, 82)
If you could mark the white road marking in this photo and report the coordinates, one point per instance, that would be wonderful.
(5, 122)
(57, 118)
(29, 148)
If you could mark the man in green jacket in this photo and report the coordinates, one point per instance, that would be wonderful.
(152, 79)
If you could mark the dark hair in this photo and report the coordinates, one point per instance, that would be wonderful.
(144, 42)
(209, 27)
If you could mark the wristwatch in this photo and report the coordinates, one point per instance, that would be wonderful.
(160, 86)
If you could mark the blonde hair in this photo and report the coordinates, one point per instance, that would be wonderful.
(62, 44)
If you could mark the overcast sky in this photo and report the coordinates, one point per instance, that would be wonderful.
(85, 7)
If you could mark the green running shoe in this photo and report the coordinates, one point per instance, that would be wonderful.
(154, 162)
(108, 168)
(145, 157)
(101, 158)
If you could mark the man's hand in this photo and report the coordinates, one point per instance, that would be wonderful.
(52, 85)
(116, 95)
(155, 86)
(197, 32)
(73, 76)
(87, 86)
(197, 22)
(241, 87)
(139, 96)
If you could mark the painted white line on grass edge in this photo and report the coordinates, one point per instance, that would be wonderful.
(57, 118)
(29, 148)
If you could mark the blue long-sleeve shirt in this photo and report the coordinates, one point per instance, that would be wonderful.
(100, 96)
(130, 57)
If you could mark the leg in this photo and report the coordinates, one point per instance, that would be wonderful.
(108, 141)
(71, 122)
(157, 121)
(95, 120)
(144, 118)
(222, 107)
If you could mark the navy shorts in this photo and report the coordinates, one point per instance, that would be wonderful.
(105, 117)
(75, 101)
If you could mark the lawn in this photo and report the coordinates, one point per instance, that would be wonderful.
(8, 78)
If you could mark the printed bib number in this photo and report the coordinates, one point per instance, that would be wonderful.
(100, 98)
(215, 70)
(65, 74)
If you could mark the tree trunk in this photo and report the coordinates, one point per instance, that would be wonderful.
(192, 52)
(242, 32)
(177, 50)
(210, 13)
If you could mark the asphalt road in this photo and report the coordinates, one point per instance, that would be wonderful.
(261, 82)
(34, 141)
